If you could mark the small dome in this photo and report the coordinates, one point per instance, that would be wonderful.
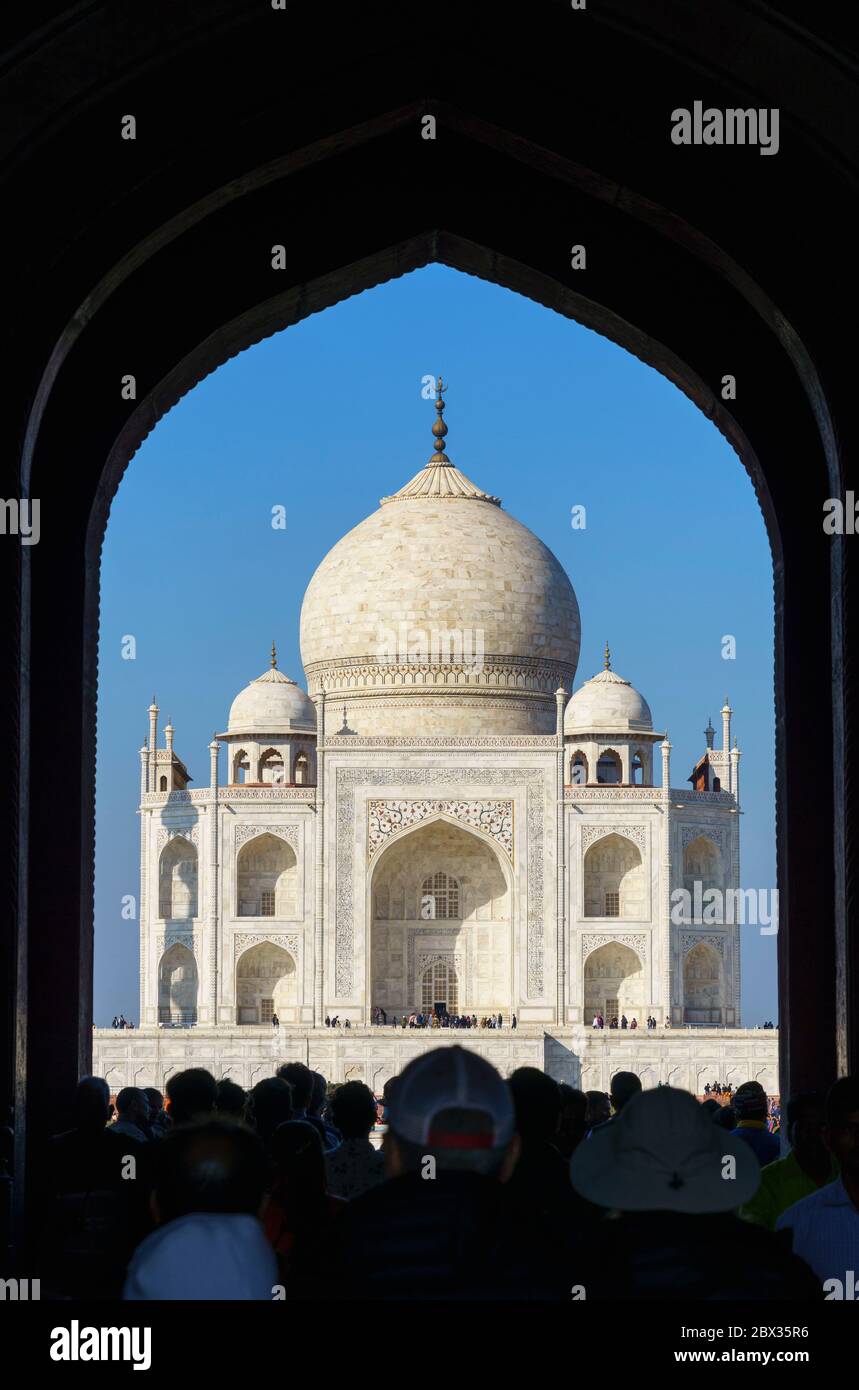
(607, 704)
(272, 704)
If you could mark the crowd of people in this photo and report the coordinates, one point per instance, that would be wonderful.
(622, 1022)
(482, 1188)
(120, 1021)
(440, 1018)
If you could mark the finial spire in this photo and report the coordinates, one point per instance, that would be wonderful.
(439, 429)
(273, 656)
(607, 658)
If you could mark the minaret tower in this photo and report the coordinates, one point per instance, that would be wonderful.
(153, 744)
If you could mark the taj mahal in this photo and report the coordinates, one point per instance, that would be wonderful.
(440, 820)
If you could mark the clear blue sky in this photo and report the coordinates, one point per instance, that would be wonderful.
(328, 417)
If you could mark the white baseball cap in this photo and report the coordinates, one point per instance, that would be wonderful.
(451, 1078)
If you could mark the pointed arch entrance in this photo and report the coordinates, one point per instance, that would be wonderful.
(703, 985)
(266, 984)
(440, 922)
(177, 986)
(614, 983)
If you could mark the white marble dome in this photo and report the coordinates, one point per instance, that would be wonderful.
(441, 599)
(607, 704)
(271, 704)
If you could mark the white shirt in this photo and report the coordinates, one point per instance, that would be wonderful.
(825, 1229)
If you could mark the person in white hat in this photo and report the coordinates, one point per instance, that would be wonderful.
(675, 1181)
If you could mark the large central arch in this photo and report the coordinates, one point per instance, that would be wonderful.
(441, 903)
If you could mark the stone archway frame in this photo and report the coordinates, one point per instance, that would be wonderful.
(719, 836)
(726, 840)
(418, 962)
(493, 816)
(634, 941)
(810, 666)
(438, 928)
(291, 834)
(192, 939)
(717, 833)
(638, 835)
(245, 941)
(245, 832)
(718, 943)
(191, 942)
(533, 779)
(178, 832)
(290, 942)
(164, 836)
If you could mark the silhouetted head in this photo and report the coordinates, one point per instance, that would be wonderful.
(132, 1104)
(231, 1099)
(353, 1110)
(300, 1079)
(750, 1101)
(156, 1102)
(214, 1166)
(842, 1125)
(91, 1103)
(537, 1102)
(319, 1094)
(599, 1108)
(573, 1126)
(296, 1150)
(192, 1095)
(624, 1085)
(270, 1105)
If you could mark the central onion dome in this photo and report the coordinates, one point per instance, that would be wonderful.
(441, 614)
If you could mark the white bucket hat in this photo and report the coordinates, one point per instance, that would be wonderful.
(663, 1153)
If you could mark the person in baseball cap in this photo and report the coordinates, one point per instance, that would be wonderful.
(440, 1225)
(453, 1106)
